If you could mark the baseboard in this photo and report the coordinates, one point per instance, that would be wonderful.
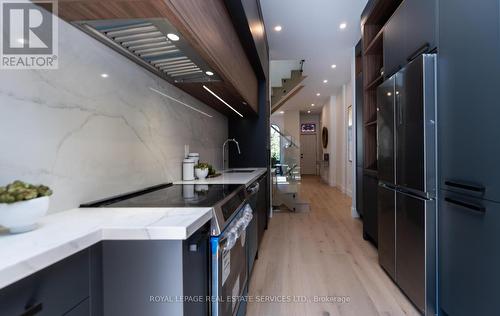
(354, 212)
(348, 192)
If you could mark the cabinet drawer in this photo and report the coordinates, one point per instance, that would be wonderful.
(52, 291)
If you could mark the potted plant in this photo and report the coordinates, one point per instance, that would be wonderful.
(201, 170)
(22, 205)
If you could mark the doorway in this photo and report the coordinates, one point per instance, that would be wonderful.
(308, 153)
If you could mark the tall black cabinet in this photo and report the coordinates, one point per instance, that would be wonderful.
(253, 132)
(469, 151)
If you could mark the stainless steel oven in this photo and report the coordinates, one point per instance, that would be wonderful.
(229, 264)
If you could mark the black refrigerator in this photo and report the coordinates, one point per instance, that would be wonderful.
(406, 124)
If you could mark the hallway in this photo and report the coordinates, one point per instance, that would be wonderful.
(321, 255)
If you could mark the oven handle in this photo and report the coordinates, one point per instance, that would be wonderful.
(239, 226)
(254, 189)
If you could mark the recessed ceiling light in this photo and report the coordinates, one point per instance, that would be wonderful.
(104, 75)
(334, 66)
(325, 81)
(209, 73)
(318, 94)
(282, 112)
(343, 25)
(173, 37)
(389, 94)
(312, 104)
(278, 28)
(308, 111)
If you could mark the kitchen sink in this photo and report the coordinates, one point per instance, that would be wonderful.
(240, 171)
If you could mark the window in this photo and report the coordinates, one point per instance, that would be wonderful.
(275, 144)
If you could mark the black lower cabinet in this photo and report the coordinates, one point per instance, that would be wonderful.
(252, 233)
(195, 272)
(61, 289)
(370, 209)
(262, 206)
(469, 256)
(123, 277)
(150, 277)
(359, 191)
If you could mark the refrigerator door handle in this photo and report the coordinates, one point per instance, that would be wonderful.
(467, 205)
(419, 196)
(465, 186)
(399, 108)
(387, 186)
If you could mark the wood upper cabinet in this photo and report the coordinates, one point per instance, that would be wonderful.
(207, 27)
(210, 26)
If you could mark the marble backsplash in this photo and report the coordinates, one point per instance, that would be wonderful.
(89, 136)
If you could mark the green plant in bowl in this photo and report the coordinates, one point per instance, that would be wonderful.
(22, 205)
(18, 191)
(211, 170)
(202, 165)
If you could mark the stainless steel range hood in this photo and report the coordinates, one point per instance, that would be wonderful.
(154, 44)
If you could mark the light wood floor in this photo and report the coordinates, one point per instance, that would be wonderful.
(322, 253)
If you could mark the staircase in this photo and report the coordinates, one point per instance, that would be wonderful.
(286, 184)
(289, 87)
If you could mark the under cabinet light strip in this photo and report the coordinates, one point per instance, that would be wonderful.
(220, 99)
(174, 99)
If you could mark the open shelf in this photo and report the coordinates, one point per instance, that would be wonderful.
(373, 21)
(372, 64)
(381, 11)
(369, 106)
(375, 46)
(370, 147)
(373, 122)
(375, 83)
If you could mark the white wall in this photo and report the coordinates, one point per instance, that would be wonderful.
(292, 128)
(328, 120)
(282, 69)
(89, 137)
(334, 117)
(279, 120)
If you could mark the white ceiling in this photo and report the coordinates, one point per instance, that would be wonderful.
(310, 31)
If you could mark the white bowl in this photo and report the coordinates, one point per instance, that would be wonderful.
(201, 173)
(23, 216)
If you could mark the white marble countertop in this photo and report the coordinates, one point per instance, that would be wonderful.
(65, 233)
(245, 178)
